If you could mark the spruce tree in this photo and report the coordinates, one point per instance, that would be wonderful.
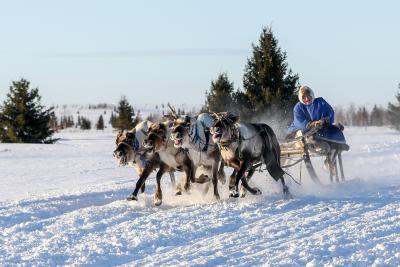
(100, 123)
(125, 118)
(219, 98)
(70, 121)
(268, 84)
(339, 116)
(113, 120)
(23, 119)
(53, 123)
(377, 116)
(393, 113)
(85, 123)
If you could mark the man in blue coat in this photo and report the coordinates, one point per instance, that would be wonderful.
(311, 112)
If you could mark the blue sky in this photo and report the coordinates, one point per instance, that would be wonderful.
(170, 51)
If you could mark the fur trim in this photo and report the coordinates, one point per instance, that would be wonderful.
(303, 89)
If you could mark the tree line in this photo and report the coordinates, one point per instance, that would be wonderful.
(361, 116)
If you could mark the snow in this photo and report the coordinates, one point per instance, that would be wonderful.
(64, 204)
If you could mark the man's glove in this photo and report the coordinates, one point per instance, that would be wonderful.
(316, 124)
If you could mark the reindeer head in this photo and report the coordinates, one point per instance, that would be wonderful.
(125, 150)
(180, 130)
(223, 127)
(156, 137)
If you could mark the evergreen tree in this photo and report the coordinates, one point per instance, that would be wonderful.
(268, 84)
(23, 119)
(362, 117)
(220, 98)
(137, 119)
(100, 123)
(85, 123)
(70, 121)
(126, 113)
(351, 115)
(377, 116)
(79, 121)
(339, 115)
(53, 123)
(393, 113)
(113, 120)
(242, 104)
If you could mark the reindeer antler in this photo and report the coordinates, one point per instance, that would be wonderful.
(173, 111)
(217, 116)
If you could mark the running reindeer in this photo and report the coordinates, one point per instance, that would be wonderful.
(128, 152)
(246, 145)
(193, 134)
(160, 149)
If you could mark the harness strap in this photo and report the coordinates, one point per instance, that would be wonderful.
(292, 164)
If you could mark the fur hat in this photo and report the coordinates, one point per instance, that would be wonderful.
(304, 89)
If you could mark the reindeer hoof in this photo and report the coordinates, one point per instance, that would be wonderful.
(187, 187)
(157, 202)
(132, 197)
(217, 197)
(178, 193)
(143, 188)
(258, 191)
(243, 192)
(222, 178)
(286, 194)
(234, 194)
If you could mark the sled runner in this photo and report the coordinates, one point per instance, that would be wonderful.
(328, 142)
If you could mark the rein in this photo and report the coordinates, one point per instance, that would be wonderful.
(307, 134)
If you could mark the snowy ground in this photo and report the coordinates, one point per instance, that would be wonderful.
(64, 204)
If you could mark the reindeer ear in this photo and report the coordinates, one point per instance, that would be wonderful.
(236, 118)
(187, 119)
(233, 117)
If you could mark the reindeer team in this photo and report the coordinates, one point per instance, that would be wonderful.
(200, 147)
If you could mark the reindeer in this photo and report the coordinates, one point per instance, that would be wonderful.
(193, 134)
(244, 145)
(161, 151)
(128, 152)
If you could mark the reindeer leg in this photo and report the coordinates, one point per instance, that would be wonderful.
(143, 187)
(277, 173)
(232, 180)
(221, 173)
(158, 194)
(190, 171)
(178, 189)
(146, 172)
(285, 188)
(234, 192)
(241, 177)
(206, 188)
(215, 179)
(249, 175)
